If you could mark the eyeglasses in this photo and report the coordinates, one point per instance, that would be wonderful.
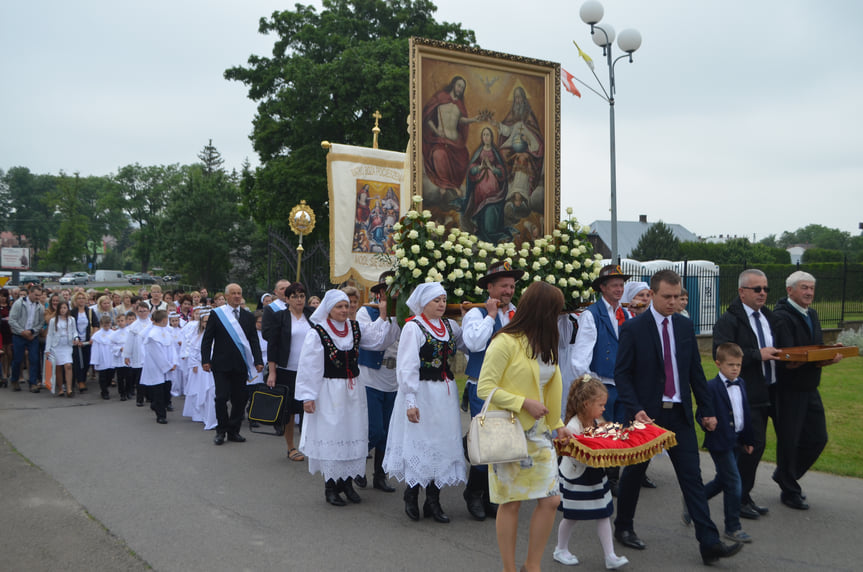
(757, 289)
(297, 296)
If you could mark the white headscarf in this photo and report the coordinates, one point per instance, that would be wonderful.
(423, 294)
(630, 289)
(331, 298)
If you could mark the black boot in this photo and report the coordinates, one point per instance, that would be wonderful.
(432, 505)
(465, 400)
(332, 494)
(379, 481)
(473, 493)
(411, 497)
(348, 489)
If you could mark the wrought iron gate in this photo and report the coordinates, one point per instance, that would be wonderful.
(282, 262)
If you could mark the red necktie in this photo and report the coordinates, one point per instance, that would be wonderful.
(620, 315)
(511, 314)
(666, 357)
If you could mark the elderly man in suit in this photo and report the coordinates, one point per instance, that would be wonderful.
(658, 369)
(230, 349)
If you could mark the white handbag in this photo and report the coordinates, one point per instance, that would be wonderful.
(495, 437)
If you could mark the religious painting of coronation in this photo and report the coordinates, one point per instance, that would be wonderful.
(377, 212)
(485, 132)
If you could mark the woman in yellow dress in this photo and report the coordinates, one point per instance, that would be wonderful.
(521, 363)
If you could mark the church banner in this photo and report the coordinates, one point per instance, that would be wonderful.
(367, 194)
(485, 140)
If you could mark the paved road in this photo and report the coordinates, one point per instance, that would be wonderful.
(95, 485)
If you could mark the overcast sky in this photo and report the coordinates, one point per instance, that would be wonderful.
(737, 117)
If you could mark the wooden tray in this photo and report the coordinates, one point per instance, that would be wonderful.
(816, 353)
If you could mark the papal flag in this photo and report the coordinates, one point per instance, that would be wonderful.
(368, 192)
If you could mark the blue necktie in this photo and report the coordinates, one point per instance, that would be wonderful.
(764, 365)
(808, 322)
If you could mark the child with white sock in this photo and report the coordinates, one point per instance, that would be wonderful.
(585, 492)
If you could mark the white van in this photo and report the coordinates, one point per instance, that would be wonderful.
(109, 275)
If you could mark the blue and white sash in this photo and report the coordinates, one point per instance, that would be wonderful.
(232, 326)
(278, 305)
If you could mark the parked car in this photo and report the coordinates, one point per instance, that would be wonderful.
(74, 278)
(172, 277)
(142, 279)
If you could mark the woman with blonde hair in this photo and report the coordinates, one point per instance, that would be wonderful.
(521, 365)
(86, 324)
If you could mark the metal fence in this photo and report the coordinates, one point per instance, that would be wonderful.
(282, 262)
(838, 293)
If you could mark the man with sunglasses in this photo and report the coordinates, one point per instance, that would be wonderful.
(750, 325)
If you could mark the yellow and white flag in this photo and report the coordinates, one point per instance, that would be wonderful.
(368, 192)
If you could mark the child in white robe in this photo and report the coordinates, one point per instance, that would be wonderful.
(102, 354)
(160, 362)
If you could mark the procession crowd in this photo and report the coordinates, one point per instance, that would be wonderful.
(360, 387)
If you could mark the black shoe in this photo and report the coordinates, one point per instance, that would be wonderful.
(236, 438)
(139, 404)
(465, 401)
(473, 500)
(361, 481)
(432, 507)
(794, 500)
(379, 481)
(746, 511)
(646, 483)
(350, 493)
(219, 439)
(762, 510)
(490, 509)
(629, 539)
(711, 554)
(411, 507)
(123, 398)
(169, 407)
(106, 396)
(253, 424)
(161, 420)
(332, 495)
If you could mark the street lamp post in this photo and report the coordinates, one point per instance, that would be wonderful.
(628, 41)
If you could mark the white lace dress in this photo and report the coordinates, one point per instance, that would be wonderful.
(432, 449)
(335, 438)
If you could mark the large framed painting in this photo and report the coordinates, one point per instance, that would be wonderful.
(485, 140)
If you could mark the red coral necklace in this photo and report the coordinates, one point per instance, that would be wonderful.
(339, 333)
(437, 330)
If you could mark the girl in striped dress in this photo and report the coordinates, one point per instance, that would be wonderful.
(585, 491)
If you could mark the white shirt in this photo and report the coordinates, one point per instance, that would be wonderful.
(768, 337)
(585, 340)
(477, 330)
(736, 397)
(383, 379)
(299, 328)
(658, 318)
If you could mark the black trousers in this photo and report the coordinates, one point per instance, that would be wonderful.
(159, 398)
(135, 383)
(684, 458)
(105, 377)
(123, 380)
(230, 386)
(801, 435)
(80, 363)
(747, 465)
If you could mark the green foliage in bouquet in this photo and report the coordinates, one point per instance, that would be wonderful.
(426, 251)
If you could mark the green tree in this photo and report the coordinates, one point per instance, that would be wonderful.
(328, 73)
(27, 207)
(211, 159)
(819, 236)
(73, 229)
(203, 243)
(812, 255)
(141, 193)
(657, 242)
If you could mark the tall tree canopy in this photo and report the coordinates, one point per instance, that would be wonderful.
(328, 73)
(657, 243)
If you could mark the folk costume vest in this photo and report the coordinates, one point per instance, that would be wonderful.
(435, 355)
(475, 359)
(605, 348)
(340, 364)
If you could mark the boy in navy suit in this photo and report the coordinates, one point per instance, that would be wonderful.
(733, 433)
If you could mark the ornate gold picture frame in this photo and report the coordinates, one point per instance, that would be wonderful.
(485, 140)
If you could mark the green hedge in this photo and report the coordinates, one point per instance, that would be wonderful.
(829, 276)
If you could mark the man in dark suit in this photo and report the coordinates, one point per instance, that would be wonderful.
(750, 325)
(801, 428)
(230, 349)
(658, 368)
